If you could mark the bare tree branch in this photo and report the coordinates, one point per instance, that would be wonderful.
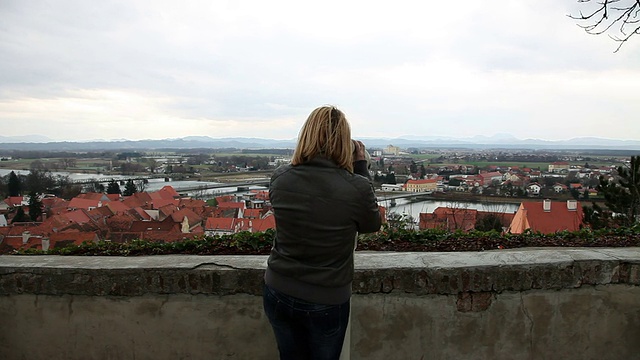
(619, 18)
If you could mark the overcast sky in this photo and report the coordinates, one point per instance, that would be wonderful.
(132, 69)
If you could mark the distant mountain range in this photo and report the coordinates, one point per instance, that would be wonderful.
(498, 141)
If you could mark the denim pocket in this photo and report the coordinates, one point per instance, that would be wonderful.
(327, 319)
(271, 305)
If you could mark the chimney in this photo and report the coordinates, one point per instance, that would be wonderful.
(546, 205)
(572, 205)
(45, 244)
(25, 237)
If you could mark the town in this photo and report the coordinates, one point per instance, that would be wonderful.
(40, 210)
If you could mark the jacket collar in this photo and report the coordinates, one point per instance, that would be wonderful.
(322, 161)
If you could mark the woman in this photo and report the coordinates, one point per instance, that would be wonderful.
(321, 201)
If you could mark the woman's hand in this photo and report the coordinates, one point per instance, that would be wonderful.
(358, 152)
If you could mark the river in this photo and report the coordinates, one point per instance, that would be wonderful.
(406, 206)
(403, 205)
(72, 176)
(153, 184)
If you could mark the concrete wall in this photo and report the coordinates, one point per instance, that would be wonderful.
(514, 304)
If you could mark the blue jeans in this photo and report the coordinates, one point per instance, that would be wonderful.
(305, 330)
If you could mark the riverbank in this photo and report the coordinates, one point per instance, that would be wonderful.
(465, 196)
(450, 196)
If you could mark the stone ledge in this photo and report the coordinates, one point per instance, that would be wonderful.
(452, 273)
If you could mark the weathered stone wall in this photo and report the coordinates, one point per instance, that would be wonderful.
(508, 304)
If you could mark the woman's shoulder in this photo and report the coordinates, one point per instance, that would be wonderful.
(357, 181)
(280, 170)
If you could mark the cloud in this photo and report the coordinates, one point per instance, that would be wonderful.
(158, 69)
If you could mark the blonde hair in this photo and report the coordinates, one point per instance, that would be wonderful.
(326, 132)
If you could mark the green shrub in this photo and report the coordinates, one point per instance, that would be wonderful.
(389, 238)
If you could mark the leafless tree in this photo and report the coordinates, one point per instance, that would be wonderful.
(620, 17)
(152, 164)
(458, 212)
(67, 162)
(200, 193)
(141, 185)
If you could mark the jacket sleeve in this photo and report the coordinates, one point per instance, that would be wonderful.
(369, 219)
(360, 168)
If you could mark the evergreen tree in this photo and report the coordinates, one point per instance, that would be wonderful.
(14, 186)
(413, 168)
(35, 206)
(40, 181)
(95, 186)
(596, 216)
(623, 197)
(129, 188)
(575, 193)
(423, 171)
(113, 187)
(20, 216)
(390, 178)
(489, 222)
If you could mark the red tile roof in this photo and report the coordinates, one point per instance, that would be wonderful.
(77, 216)
(197, 230)
(170, 191)
(167, 210)
(140, 213)
(192, 217)
(261, 194)
(489, 174)
(141, 199)
(114, 197)
(224, 198)
(80, 203)
(55, 202)
(55, 223)
(66, 238)
(252, 214)
(144, 226)
(167, 192)
(11, 243)
(450, 219)
(232, 205)
(531, 215)
(158, 203)
(214, 223)
(423, 181)
(14, 201)
(120, 222)
(191, 203)
(18, 228)
(259, 225)
(94, 196)
(100, 213)
(117, 206)
(224, 213)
